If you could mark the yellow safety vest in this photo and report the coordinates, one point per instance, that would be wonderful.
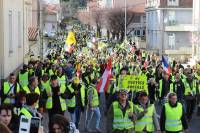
(45, 85)
(26, 113)
(6, 89)
(51, 72)
(62, 80)
(27, 90)
(23, 79)
(173, 118)
(49, 103)
(161, 87)
(188, 89)
(72, 101)
(36, 90)
(95, 97)
(121, 122)
(146, 122)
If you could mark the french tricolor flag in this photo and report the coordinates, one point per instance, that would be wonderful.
(166, 65)
(102, 86)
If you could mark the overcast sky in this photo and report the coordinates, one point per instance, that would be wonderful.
(50, 1)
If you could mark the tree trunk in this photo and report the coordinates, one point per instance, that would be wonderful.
(122, 37)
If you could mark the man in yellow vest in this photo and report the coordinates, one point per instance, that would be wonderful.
(93, 107)
(56, 97)
(120, 118)
(23, 76)
(32, 86)
(76, 100)
(147, 120)
(164, 87)
(62, 80)
(172, 119)
(190, 95)
(10, 90)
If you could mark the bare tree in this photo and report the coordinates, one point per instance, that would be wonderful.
(116, 23)
(98, 19)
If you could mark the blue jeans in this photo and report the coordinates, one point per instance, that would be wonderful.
(89, 115)
(75, 116)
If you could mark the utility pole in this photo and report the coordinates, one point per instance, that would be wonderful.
(125, 20)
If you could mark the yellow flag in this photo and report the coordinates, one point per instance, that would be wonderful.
(70, 39)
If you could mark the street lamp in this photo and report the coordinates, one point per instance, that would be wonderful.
(125, 20)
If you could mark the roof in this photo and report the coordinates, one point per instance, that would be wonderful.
(138, 9)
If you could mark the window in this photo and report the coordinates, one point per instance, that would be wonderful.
(143, 32)
(10, 32)
(171, 18)
(19, 30)
(138, 32)
(173, 2)
(171, 38)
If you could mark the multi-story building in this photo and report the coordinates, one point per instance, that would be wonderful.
(196, 32)
(104, 6)
(17, 34)
(169, 24)
(106, 3)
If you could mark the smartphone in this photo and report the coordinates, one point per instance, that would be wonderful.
(35, 124)
(25, 124)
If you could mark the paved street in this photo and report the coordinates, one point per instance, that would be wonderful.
(194, 126)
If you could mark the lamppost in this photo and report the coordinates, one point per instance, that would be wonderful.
(125, 19)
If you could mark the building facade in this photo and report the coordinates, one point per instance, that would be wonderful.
(11, 38)
(16, 31)
(169, 24)
(196, 32)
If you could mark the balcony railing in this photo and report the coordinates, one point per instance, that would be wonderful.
(179, 27)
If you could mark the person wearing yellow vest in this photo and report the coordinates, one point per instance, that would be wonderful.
(197, 76)
(23, 76)
(179, 88)
(172, 119)
(147, 120)
(190, 95)
(52, 71)
(32, 86)
(120, 116)
(10, 90)
(56, 97)
(76, 100)
(93, 107)
(61, 77)
(29, 110)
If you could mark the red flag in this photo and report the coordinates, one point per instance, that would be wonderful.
(146, 63)
(102, 86)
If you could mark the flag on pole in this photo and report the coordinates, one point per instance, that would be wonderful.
(102, 86)
(166, 65)
(70, 39)
(146, 63)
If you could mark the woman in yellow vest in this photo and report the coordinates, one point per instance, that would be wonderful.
(29, 110)
(56, 97)
(146, 115)
(172, 119)
(120, 117)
